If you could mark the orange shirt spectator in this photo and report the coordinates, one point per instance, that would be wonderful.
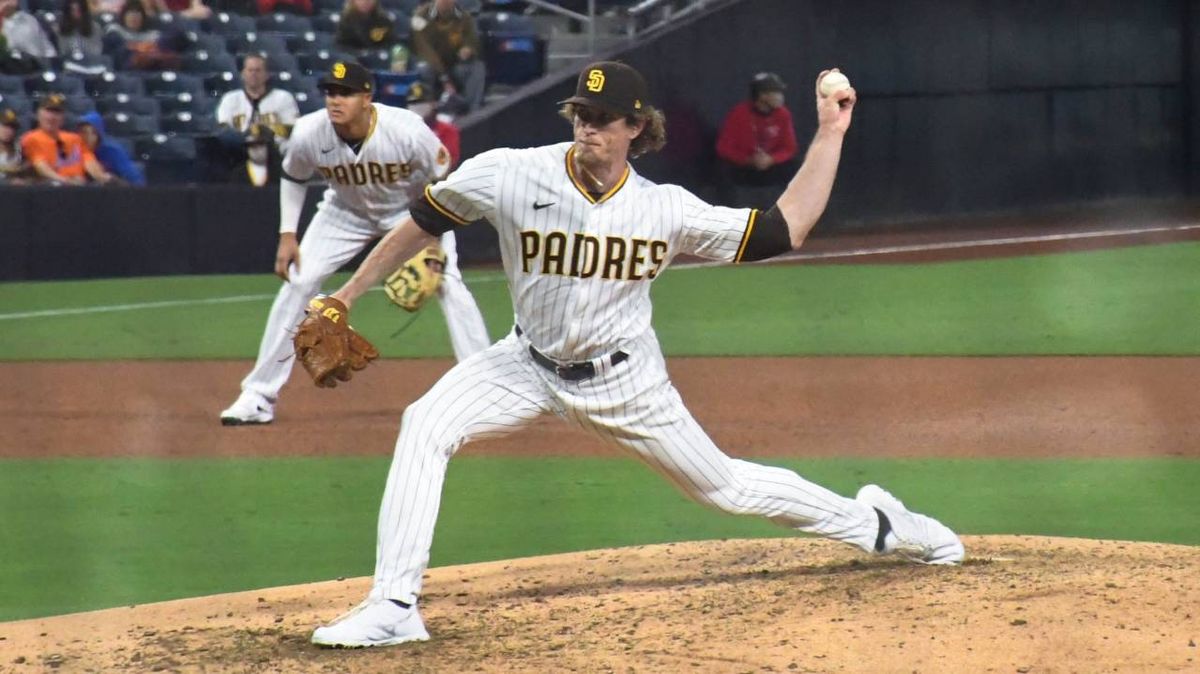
(56, 155)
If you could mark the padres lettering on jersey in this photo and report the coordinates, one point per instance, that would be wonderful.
(585, 255)
(371, 172)
(573, 259)
(399, 156)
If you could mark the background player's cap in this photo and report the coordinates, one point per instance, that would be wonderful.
(54, 101)
(764, 82)
(419, 93)
(348, 75)
(612, 86)
(8, 117)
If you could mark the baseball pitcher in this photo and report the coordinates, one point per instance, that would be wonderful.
(376, 160)
(582, 237)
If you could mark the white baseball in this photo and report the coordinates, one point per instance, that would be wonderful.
(833, 83)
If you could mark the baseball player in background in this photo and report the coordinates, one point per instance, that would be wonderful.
(582, 236)
(376, 159)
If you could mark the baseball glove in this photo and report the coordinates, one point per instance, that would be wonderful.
(327, 346)
(416, 280)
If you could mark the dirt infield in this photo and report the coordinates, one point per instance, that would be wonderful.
(1018, 604)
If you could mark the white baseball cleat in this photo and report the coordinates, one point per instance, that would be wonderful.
(249, 408)
(914, 536)
(375, 622)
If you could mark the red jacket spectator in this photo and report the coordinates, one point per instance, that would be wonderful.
(747, 129)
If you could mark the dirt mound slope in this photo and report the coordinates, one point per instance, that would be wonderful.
(1019, 604)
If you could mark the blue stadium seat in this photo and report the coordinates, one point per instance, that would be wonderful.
(63, 83)
(326, 22)
(169, 159)
(209, 42)
(323, 7)
(375, 59)
(309, 42)
(224, 23)
(218, 83)
(203, 62)
(187, 124)
(87, 64)
(19, 103)
(111, 84)
(309, 101)
(195, 105)
(257, 43)
(283, 23)
(12, 84)
(513, 50)
(79, 105)
(179, 22)
(169, 83)
(132, 105)
(125, 124)
(317, 63)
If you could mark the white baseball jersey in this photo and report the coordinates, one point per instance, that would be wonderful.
(275, 110)
(557, 240)
(399, 156)
(579, 266)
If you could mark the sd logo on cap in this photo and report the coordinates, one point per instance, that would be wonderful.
(348, 76)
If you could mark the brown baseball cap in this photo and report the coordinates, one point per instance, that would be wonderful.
(348, 75)
(612, 86)
(54, 101)
(8, 117)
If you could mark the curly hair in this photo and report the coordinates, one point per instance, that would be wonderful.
(653, 136)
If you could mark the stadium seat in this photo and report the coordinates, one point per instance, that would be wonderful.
(12, 84)
(283, 23)
(185, 102)
(19, 103)
(202, 62)
(209, 42)
(318, 62)
(187, 124)
(125, 124)
(87, 64)
(218, 83)
(79, 105)
(179, 22)
(513, 50)
(257, 43)
(322, 7)
(310, 41)
(169, 83)
(111, 84)
(375, 59)
(169, 159)
(224, 23)
(309, 101)
(133, 105)
(63, 83)
(326, 22)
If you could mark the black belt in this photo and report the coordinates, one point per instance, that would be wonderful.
(572, 371)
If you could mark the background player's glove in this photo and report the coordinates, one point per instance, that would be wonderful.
(416, 280)
(327, 346)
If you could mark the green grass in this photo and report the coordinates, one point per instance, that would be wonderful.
(99, 533)
(1126, 301)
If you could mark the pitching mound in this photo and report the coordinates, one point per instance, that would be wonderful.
(1019, 604)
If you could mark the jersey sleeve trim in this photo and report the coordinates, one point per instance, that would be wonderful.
(442, 209)
(746, 236)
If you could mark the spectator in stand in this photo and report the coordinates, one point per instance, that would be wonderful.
(757, 146)
(59, 156)
(255, 103)
(304, 7)
(263, 164)
(78, 31)
(444, 37)
(364, 25)
(111, 155)
(13, 169)
(137, 45)
(192, 9)
(23, 32)
(421, 100)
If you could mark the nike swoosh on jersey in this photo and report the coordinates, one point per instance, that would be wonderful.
(324, 151)
(538, 207)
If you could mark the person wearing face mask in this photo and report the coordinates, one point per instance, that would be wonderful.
(757, 144)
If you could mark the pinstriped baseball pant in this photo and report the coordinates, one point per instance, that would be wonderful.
(632, 405)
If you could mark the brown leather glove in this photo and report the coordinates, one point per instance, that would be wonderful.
(328, 348)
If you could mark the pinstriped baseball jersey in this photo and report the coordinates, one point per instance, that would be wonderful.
(399, 156)
(579, 265)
